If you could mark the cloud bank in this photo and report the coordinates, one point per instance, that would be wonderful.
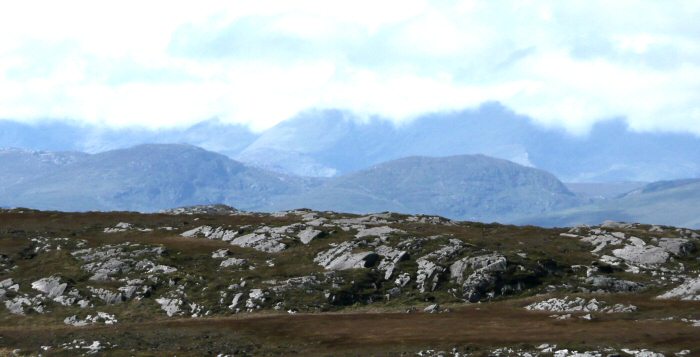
(162, 64)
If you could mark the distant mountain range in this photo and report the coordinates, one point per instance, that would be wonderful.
(467, 187)
(327, 143)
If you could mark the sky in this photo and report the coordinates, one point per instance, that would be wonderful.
(165, 63)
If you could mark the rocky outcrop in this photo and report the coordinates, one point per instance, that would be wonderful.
(342, 257)
(51, 286)
(307, 235)
(689, 290)
(210, 232)
(264, 240)
(390, 257)
(429, 268)
(646, 254)
(612, 285)
(679, 247)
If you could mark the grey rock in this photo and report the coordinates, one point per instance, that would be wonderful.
(689, 290)
(109, 297)
(342, 257)
(220, 254)
(579, 305)
(679, 247)
(171, 306)
(51, 286)
(381, 232)
(613, 285)
(261, 241)
(648, 255)
(308, 234)
(233, 262)
(390, 257)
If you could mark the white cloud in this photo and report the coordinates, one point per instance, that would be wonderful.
(161, 63)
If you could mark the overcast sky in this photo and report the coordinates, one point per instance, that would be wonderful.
(160, 63)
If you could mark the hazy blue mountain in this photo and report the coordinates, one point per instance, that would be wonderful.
(52, 135)
(471, 187)
(334, 142)
(21, 165)
(147, 178)
(322, 143)
(596, 191)
(666, 202)
(153, 177)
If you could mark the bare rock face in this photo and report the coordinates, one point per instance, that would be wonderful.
(268, 242)
(648, 255)
(210, 232)
(308, 234)
(381, 232)
(485, 270)
(429, 268)
(679, 247)
(341, 257)
(689, 290)
(390, 257)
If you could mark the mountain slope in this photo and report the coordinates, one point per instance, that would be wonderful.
(150, 177)
(473, 187)
(326, 142)
(665, 202)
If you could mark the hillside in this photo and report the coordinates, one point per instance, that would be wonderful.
(665, 202)
(155, 177)
(473, 187)
(217, 281)
(148, 178)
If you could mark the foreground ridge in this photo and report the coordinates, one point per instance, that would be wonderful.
(216, 279)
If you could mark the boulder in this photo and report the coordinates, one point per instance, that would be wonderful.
(220, 254)
(233, 262)
(51, 286)
(171, 306)
(613, 285)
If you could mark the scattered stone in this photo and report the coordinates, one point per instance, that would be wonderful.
(100, 317)
(567, 305)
